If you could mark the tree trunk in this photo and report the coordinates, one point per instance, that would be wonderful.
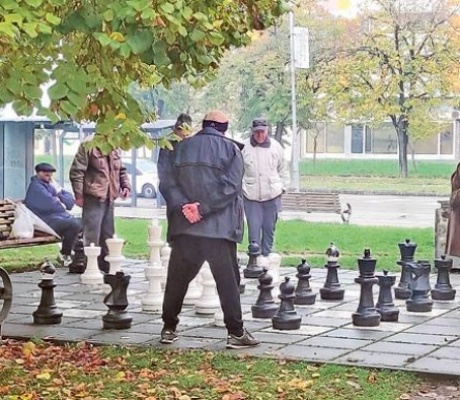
(315, 148)
(401, 131)
(279, 132)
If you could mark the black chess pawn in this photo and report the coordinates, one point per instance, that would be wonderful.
(443, 289)
(78, 264)
(253, 269)
(286, 318)
(117, 302)
(47, 312)
(265, 306)
(385, 305)
(407, 251)
(420, 300)
(332, 289)
(366, 314)
(303, 293)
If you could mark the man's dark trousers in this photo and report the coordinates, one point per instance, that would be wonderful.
(98, 226)
(187, 256)
(68, 229)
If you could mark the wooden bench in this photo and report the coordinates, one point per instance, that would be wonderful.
(321, 202)
(6, 222)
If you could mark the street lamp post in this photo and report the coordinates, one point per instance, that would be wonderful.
(295, 176)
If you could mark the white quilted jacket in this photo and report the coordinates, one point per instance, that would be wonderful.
(266, 173)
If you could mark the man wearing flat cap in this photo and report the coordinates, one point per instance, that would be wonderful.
(202, 189)
(266, 177)
(46, 199)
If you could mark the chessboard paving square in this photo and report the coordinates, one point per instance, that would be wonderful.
(311, 353)
(413, 349)
(120, 337)
(446, 352)
(420, 338)
(354, 333)
(373, 359)
(435, 366)
(435, 330)
(384, 326)
(332, 342)
(305, 330)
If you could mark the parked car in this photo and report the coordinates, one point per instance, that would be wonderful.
(146, 176)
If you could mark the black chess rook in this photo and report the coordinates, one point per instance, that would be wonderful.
(443, 289)
(385, 305)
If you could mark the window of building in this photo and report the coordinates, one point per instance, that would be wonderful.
(316, 136)
(334, 138)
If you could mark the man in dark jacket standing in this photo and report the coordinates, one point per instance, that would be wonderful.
(202, 188)
(97, 180)
(46, 199)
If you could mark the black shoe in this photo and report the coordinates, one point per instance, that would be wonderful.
(168, 336)
(241, 342)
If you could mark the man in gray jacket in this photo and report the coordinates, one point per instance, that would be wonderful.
(266, 177)
(202, 188)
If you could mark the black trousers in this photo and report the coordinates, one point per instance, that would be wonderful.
(68, 229)
(187, 256)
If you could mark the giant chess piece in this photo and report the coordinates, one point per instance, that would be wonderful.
(155, 244)
(274, 261)
(153, 299)
(115, 257)
(286, 318)
(332, 289)
(47, 312)
(117, 302)
(385, 305)
(419, 285)
(92, 274)
(265, 306)
(242, 284)
(443, 289)
(253, 270)
(407, 251)
(194, 292)
(165, 255)
(208, 303)
(366, 314)
(303, 293)
(79, 259)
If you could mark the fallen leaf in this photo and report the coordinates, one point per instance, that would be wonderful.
(45, 376)
(316, 375)
(405, 396)
(19, 361)
(28, 349)
(353, 385)
(372, 378)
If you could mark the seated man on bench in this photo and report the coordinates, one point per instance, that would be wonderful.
(46, 199)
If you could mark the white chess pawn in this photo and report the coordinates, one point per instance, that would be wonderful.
(208, 303)
(193, 292)
(153, 299)
(165, 255)
(115, 257)
(219, 318)
(92, 274)
(274, 264)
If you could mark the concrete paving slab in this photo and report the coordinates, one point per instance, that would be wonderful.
(311, 353)
(373, 359)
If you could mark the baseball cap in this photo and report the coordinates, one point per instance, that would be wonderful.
(259, 123)
(44, 167)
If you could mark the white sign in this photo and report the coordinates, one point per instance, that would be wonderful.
(301, 48)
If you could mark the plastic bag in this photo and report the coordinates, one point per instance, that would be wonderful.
(23, 226)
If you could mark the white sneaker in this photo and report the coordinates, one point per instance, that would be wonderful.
(64, 260)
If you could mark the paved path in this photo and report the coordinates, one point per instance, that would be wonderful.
(404, 211)
(424, 342)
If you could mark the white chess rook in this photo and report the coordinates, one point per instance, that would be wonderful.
(115, 257)
(92, 274)
(208, 303)
(153, 299)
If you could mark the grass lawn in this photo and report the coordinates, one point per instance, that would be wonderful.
(294, 239)
(46, 371)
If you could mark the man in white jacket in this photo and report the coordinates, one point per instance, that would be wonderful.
(266, 177)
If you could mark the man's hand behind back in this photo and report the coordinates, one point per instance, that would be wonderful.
(191, 212)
